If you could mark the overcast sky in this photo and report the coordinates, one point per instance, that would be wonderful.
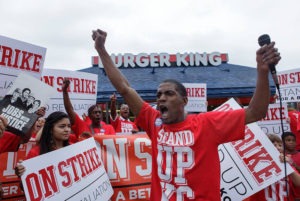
(134, 26)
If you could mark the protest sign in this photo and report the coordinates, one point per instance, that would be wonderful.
(271, 124)
(24, 98)
(75, 172)
(128, 162)
(197, 97)
(18, 57)
(249, 165)
(82, 90)
(289, 82)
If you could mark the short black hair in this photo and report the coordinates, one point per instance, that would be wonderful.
(26, 89)
(179, 86)
(91, 108)
(286, 134)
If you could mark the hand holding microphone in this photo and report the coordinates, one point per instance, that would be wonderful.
(268, 55)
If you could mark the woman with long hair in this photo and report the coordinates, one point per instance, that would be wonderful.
(55, 135)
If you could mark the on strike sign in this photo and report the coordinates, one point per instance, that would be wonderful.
(75, 172)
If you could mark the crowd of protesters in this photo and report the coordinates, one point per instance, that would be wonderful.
(60, 129)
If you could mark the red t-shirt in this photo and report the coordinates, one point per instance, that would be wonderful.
(186, 163)
(9, 142)
(34, 151)
(122, 125)
(295, 126)
(296, 189)
(81, 126)
(276, 192)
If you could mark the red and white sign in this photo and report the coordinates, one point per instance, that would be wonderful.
(164, 59)
(18, 57)
(82, 90)
(249, 165)
(197, 97)
(128, 161)
(75, 172)
(271, 124)
(289, 82)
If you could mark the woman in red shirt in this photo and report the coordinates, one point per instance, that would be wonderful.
(55, 135)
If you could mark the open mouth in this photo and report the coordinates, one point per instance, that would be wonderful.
(163, 110)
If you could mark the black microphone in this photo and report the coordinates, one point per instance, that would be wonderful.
(265, 40)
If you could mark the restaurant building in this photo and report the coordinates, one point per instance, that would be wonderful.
(146, 71)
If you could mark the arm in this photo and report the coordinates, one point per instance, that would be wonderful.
(67, 102)
(258, 106)
(20, 168)
(119, 81)
(113, 109)
(3, 124)
(295, 176)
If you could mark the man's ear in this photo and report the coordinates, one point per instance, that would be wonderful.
(185, 100)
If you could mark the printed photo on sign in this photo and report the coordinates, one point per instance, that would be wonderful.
(22, 101)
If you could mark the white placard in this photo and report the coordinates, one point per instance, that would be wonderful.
(271, 124)
(249, 165)
(289, 85)
(82, 90)
(197, 97)
(75, 172)
(18, 57)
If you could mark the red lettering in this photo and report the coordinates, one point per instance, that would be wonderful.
(82, 164)
(292, 78)
(261, 156)
(274, 114)
(76, 83)
(20, 59)
(95, 163)
(48, 80)
(36, 63)
(65, 174)
(34, 187)
(7, 53)
(17, 53)
(49, 181)
(82, 85)
(195, 92)
(225, 107)
(283, 79)
(59, 82)
(26, 57)
(72, 161)
(94, 150)
(253, 154)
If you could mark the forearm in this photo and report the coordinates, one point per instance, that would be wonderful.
(68, 106)
(258, 105)
(115, 75)
(113, 110)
